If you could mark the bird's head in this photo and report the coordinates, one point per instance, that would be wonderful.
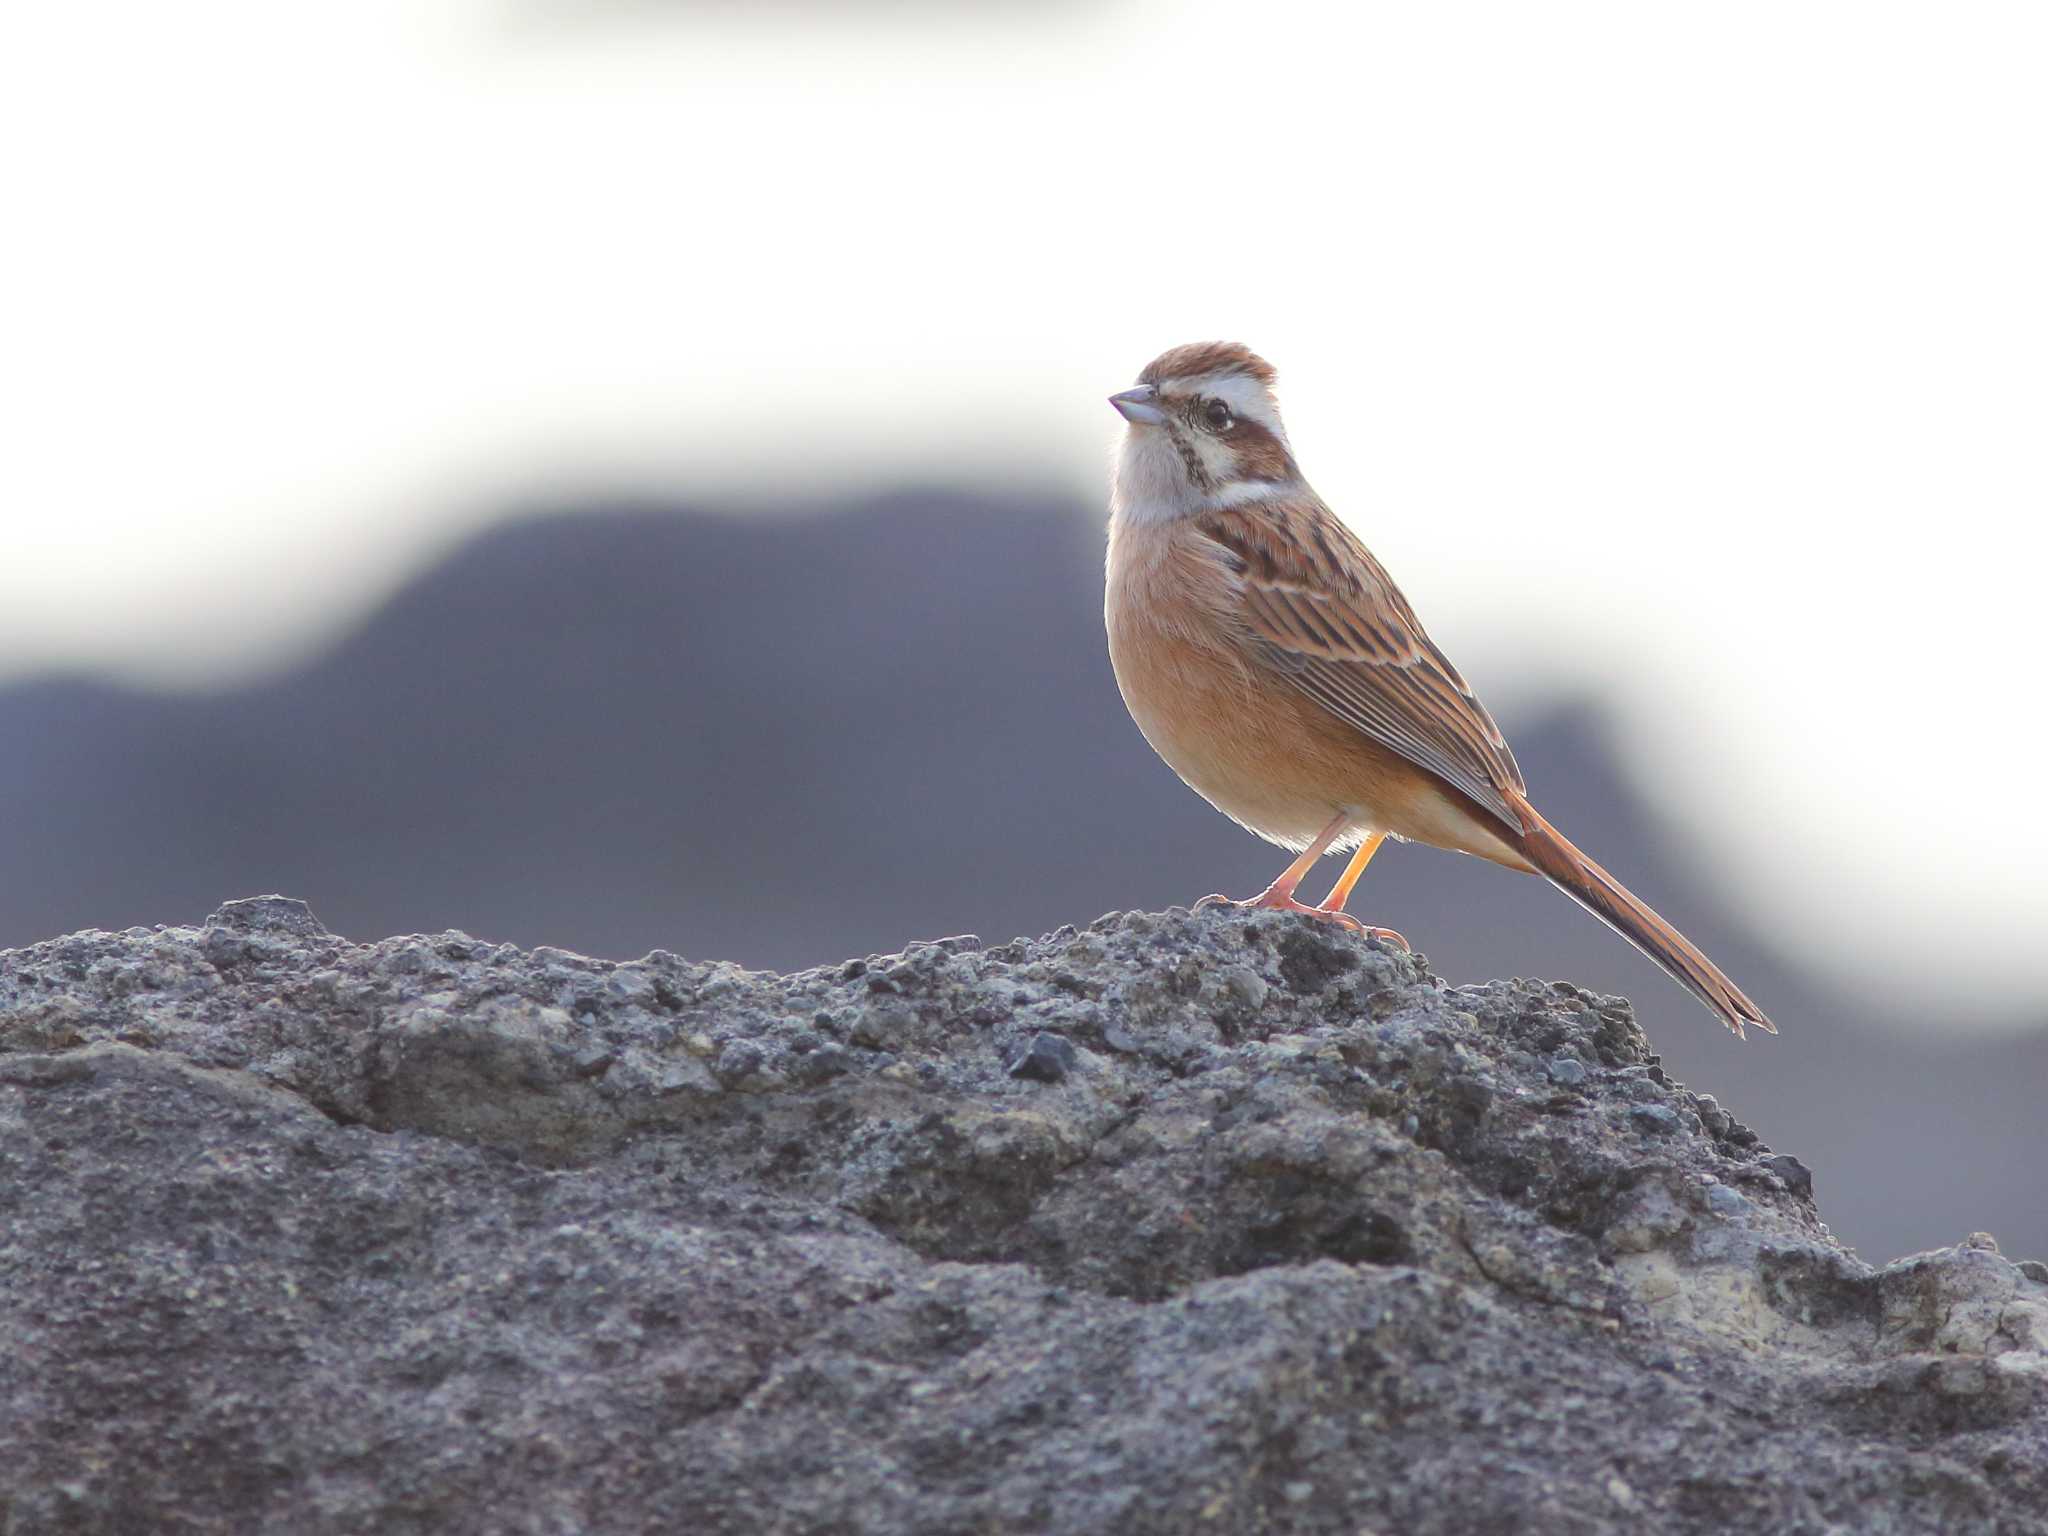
(1203, 431)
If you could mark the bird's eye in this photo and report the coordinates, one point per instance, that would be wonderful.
(1218, 416)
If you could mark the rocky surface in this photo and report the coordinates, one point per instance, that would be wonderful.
(1179, 1223)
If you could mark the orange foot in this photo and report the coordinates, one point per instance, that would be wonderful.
(1274, 901)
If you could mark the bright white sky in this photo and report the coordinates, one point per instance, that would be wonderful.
(1699, 352)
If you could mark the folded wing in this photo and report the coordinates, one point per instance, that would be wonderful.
(1321, 611)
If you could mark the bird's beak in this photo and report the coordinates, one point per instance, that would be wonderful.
(1139, 406)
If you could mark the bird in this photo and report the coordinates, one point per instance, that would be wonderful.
(1270, 660)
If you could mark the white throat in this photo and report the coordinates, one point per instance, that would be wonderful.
(1148, 483)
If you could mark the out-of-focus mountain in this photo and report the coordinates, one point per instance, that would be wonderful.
(644, 728)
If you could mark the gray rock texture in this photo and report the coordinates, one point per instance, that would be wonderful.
(1181, 1223)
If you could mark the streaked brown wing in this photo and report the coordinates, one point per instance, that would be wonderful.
(1321, 611)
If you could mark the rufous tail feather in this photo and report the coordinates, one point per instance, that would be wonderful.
(1615, 905)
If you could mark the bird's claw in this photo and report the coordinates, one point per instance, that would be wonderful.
(1270, 901)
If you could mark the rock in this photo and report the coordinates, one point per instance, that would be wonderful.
(435, 1234)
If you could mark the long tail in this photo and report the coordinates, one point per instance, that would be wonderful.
(1612, 902)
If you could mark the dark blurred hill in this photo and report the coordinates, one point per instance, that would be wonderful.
(643, 728)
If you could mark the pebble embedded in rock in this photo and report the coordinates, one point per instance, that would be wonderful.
(1246, 986)
(1046, 1059)
(1797, 1176)
(739, 1061)
(1712, 1115)
(827, 1061)
(1725, 1201)
(268, 914)
(884, 1026)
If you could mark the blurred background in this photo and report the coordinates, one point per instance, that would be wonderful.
(623, 474)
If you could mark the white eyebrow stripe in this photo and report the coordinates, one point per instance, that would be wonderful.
(1245, 396)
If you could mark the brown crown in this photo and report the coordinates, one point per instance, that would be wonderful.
(1200, 358)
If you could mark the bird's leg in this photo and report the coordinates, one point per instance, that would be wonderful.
(1279, 896)
(1341, 891)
